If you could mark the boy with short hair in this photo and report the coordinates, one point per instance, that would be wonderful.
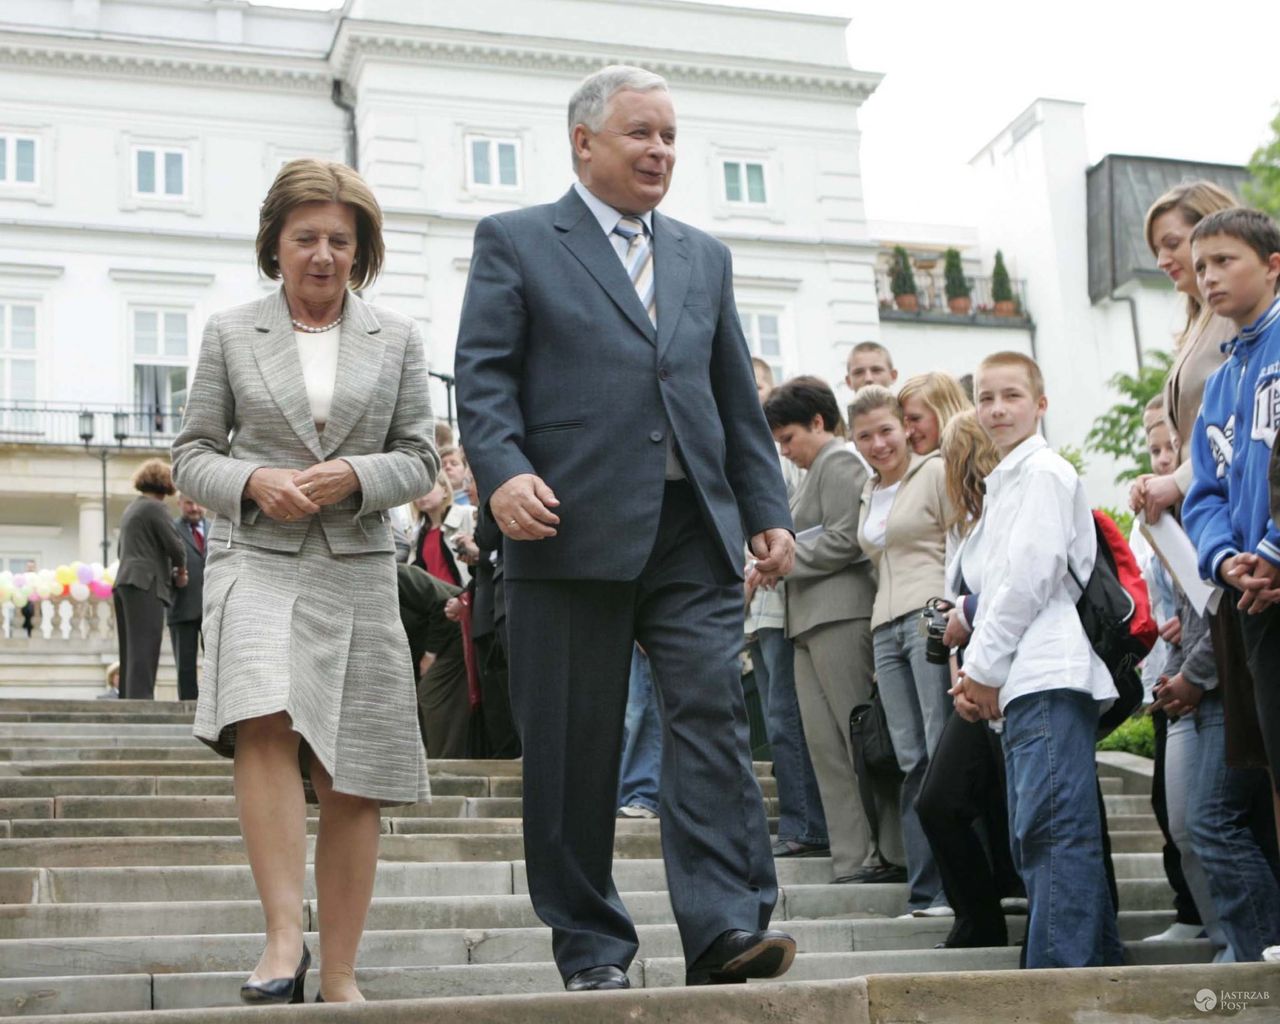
(1236, 257)
(869, 362)
(1029, 661)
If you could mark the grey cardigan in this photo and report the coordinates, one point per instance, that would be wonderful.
(832, 579)
(248, 408)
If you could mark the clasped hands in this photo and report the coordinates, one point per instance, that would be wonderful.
(1257, 580)
(291, 494)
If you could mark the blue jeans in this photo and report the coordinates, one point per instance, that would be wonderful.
(642, 739)
(1055, 831)
(1222, 805)
(916, 705)
(800, 816)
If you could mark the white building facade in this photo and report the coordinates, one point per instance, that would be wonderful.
(138, 137)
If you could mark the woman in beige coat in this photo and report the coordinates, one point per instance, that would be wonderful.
(308, 419)
(902, 526)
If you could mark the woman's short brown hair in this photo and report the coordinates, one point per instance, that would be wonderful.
(318, 181)
(154, 477)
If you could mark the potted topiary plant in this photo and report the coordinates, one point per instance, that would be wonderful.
(903, 281)
(1002, 289)
(957, 285)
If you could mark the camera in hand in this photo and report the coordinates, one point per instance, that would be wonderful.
(932, 626)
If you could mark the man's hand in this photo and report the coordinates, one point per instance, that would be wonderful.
(180, 578)
(957, 633)
(1260, 582)
(775, 552)
(1161, 493)
(1171, 631)
(1176, 696)
(327, 483)
(985, 698)
(453, 609)
(522, 508)
(276, 492)
(465, 547)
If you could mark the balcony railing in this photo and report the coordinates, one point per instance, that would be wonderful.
(65, 423)
(931, 298)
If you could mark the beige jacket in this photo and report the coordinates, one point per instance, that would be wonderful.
(1199, 355)
(912, 564)
(832, 580)
(248, 408)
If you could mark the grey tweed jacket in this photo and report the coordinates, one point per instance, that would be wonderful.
(248, 408)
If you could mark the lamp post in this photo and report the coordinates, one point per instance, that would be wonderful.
(120, 430)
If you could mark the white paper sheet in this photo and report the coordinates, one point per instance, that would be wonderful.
(813, 533)
(1178, 554)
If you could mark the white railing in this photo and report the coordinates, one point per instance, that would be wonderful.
(61, 619)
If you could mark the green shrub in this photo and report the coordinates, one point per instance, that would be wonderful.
(1136, 736)
(957, 285)
(1001, 288)
(903, 281)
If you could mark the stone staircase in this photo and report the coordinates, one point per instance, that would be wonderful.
(124, 887)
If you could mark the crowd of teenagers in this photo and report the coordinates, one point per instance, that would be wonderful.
(939, 500)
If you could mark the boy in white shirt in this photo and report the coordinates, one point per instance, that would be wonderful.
(1030, 663)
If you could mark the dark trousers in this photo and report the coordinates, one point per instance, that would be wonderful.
(1262, 648)
(186, 640)
(1184, 903)
(570, 657)
(444, 707)
(500, 736)
(963, 811)
(139, 628)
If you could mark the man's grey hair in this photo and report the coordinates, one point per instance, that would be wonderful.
(588, 102)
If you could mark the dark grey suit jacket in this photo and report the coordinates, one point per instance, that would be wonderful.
(188, 601)
(561, 373)
(149, 548)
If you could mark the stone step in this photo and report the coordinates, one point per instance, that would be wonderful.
(93, 730)
(808, 881)
(122, 708)
(203, 990)
(193, 751)
(217, 917)
(1146, 993)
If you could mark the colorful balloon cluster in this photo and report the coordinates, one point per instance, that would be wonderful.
(79, 581)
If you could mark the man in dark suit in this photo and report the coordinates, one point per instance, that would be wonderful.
(610, 415)
(188, 603)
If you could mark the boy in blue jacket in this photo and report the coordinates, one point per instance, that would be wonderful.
(1236, 257)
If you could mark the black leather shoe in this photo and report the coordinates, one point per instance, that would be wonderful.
(875, 874)
(598, 979)
(279, 990)
(738, 955)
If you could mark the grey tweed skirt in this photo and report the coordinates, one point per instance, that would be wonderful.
(318, 636)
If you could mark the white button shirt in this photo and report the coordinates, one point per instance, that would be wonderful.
(1027, 636)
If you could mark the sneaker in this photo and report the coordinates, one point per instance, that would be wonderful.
(941, 910)
(792, 848)
(636, 811)
(1014, 904)
(1271, 955)
(1177, 932)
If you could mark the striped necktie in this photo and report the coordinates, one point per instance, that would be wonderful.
(639, 262)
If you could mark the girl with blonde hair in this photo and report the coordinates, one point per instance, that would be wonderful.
(929, 401)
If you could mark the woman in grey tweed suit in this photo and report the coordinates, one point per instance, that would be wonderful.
(308, 418)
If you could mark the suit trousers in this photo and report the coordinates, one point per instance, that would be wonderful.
(186, 641)
(570, 650)
(139, 629)
(833, 676)
(444, 706)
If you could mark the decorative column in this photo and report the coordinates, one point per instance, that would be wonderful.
(90, 546)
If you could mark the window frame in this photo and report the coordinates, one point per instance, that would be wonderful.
(133, 360)
(192, 199)
(742, 163)
(493, 141)
(749, 314)
(772, 172)
(160, 152)
(10, 137)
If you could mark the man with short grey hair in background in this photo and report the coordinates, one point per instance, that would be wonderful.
(608, 403)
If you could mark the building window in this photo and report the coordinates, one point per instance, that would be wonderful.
(744, 182)
(765, 340)
(159, 173)
(17, 363)
(17, 159)
(493, 163)
(160, 345)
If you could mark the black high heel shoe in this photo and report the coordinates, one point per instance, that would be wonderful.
(279, 990)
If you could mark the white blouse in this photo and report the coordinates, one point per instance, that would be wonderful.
(877, 524)
(319, 356)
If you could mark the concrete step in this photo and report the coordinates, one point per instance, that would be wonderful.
(210, 989)
(192, 751)
(1146, 993)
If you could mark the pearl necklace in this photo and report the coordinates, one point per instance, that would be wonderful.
(308, 329)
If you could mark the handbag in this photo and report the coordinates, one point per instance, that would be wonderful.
(873, 758)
